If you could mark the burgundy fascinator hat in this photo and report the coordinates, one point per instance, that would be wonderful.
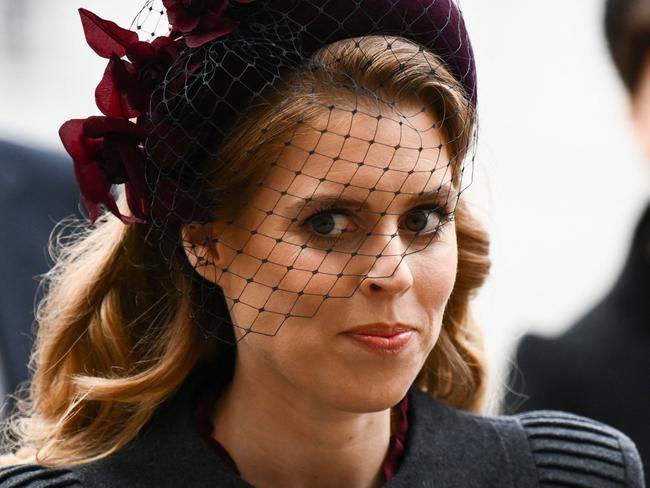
(169, 103)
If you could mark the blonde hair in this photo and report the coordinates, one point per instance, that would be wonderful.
(116, 332)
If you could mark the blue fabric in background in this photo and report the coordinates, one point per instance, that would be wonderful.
(37, 189)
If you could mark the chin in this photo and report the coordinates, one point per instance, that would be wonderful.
(371, 393)
(364, 383)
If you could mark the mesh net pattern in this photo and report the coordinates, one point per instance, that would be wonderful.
(151, 21)
(308, 153)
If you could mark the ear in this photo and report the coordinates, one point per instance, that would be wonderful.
(202, 249)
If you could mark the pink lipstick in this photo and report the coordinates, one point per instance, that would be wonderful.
(382, 338)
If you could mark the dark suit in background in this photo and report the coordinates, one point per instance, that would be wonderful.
(37, 189)
(600, 367)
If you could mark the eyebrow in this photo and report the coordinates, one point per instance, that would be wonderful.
(442, 195)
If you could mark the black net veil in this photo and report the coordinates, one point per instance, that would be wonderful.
(316, 145)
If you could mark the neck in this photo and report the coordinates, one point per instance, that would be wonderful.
(295, 440)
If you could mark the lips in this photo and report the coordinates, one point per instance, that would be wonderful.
(382, 338)
(380, 329)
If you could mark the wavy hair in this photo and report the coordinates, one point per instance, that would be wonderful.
(116, 329)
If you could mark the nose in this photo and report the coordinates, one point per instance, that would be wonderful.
(391, 275)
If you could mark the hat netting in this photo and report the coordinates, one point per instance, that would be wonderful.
(291, 159)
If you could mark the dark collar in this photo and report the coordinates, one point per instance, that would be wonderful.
(169, 451)
(443, 445)
(632, 289)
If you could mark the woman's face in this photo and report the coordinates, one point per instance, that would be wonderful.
(338, 268)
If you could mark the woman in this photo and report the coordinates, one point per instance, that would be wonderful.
(288, 304)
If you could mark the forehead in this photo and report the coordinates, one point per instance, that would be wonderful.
(365, 153)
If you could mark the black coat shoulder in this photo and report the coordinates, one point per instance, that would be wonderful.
(450, 448)
(569, 450)
(33, 476)
(599, 366)
(445, 448)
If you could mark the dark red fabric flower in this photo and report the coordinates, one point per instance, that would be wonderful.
(126, 88)
(200, 21)
(106, 151)
(118, 89)
(106, 38)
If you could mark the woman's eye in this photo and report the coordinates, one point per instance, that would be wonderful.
(422, 221)
(328, 224)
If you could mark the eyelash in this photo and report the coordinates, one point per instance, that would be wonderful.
(444, 214)
(321, 239)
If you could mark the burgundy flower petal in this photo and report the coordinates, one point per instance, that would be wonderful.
(140, 53)
(166, 46)
(86, 141)
(101, 126)
(151, 62)
(113, 159)
(137, 191)
(179, 18)
(219, 11)
(105, 37)
(94, 209)
(163, 42)
(198, 39)
(112, 92)
(71, 134)
(111, 205)
(93, 184)
(137, 204)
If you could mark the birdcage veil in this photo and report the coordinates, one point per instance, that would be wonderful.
(282, 151)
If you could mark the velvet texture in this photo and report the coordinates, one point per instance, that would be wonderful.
(188, 90)
(243, 67)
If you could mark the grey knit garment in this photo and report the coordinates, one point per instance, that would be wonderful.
(445, 448)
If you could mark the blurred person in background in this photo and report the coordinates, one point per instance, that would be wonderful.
(37, 189)
(600, 367)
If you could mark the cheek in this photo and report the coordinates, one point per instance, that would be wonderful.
(263, 289)
(435, 268)
(434, 276)
(295, 356)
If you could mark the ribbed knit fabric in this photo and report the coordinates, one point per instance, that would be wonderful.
(37, 477)
(572, 451)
